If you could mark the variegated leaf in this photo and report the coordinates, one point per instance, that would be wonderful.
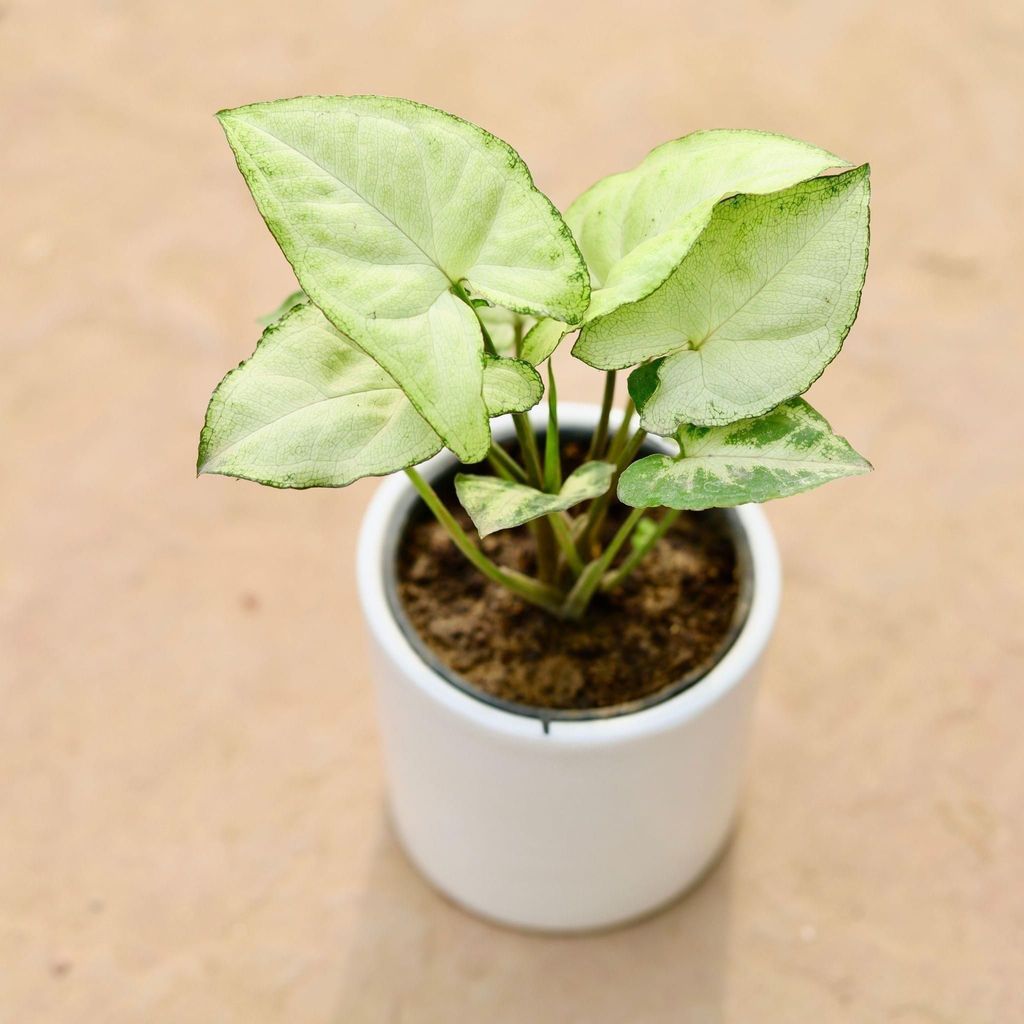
(386, 209)
(755, 312)
(542, 340)
(310, 409)
(494, 504)
(510, 385)
(635, 227)
(788, 450)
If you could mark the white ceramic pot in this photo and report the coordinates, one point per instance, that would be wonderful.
(570, 823)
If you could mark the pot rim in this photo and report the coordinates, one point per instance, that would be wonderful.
(619, 723)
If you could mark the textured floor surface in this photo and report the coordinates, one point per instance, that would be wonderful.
(191, 817)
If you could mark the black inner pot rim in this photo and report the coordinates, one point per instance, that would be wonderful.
(396, 530)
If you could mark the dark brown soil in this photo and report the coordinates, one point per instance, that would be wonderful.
(670, 617)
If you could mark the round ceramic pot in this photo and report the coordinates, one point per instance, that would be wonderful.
(560, 821)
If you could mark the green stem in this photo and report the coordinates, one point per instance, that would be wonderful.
(563, 534)
(523, 586)
(547, 546)
(613, 579)
(589, 580)
(497, 456)
(600, 438)
(621, 453)
(622, 434)
(528, 449)
(547, 549)
(552, 441)
(488, 344)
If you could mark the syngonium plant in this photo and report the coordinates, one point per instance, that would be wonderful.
(725, 271)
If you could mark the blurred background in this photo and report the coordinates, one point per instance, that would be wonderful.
(191, 816)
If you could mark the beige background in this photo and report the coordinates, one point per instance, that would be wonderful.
(191, 818)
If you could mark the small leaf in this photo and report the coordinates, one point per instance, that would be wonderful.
(542, 340)
(634, 228)
(789, 450)
(510, 385)
(643, 382)
(495, 504)
(753, 315)
(384, 207)
(642, 533)
(291, 302)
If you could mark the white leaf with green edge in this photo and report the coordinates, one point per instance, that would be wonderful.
(789, 450)
(386, 208)
(494, 504)
(634, 228)
(753, 315)
(510, 385)
(542, 340)
(293, 300)
(310, 409)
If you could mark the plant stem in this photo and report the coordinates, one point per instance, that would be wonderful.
(619, 440)
(460, 292)
(497, 456)
(547, 546)
(528, 449)
(621, 453)
(547, 550)
(563, 534)
(613, 579)
(598, 511)
(523, 586)
(552, 440)
(589, 580)
(600, 438)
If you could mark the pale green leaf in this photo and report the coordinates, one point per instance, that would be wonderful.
(642, 534)
(510, 385)
(753, 315)
(788, 450)
(310, 409)
(635, 227)
(385, 208)
(494, 504)
(543, 339)
(293, 300)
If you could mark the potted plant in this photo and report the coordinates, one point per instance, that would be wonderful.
(566, 604)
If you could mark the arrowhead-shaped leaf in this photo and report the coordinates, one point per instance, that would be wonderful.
(495, 504)
(635, 227)
(791, 449)
(383, 207)
(310, 409)
(755, 312)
